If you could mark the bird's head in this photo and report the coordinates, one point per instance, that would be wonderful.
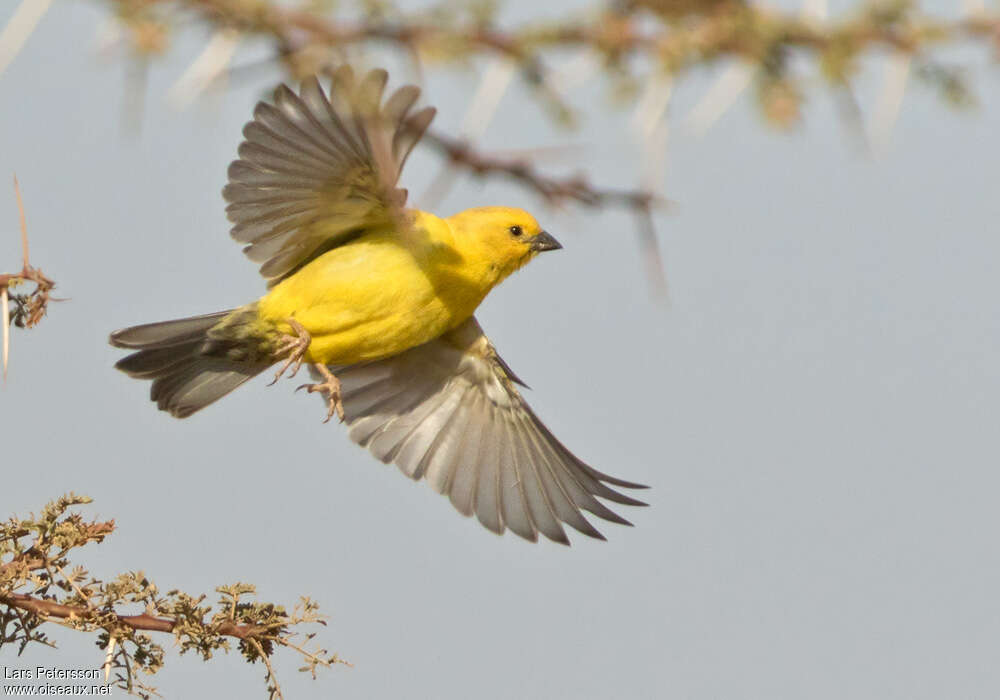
(503, 237)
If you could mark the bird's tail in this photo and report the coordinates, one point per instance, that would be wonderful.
(174, 354)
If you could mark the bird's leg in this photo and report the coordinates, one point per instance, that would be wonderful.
(296, 346)
(330, 387)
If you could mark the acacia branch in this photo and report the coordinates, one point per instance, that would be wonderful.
(38, 586)
(669, 44)
(894, 25)
(51, 609)
(554, 190)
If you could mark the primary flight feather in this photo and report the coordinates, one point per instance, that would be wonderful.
(379, 300)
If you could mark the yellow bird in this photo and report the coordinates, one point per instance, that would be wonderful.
(379, 301)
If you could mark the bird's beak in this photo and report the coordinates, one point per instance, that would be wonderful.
(543, 241)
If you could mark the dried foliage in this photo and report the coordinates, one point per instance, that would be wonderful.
(39, 587)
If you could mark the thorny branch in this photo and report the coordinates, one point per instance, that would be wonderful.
(297, 33)
(557, 190)
(630, 43)
(734, 29)
(673, 37)
(38, 587)
(552, 189)
(28, 308)
(53, 610)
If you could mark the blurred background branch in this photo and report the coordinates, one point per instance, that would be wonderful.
(642, 48)
(674, 37)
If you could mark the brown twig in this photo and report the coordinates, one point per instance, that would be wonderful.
(272, 681)
(27, 274)
(552, 189)
(556, 190)
(146, 622)
(32, 306)
(615, 34)
(29, 308)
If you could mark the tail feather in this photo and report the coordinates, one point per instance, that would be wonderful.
(167, 333)
(192, 386)
(172, 354)
(154, 362)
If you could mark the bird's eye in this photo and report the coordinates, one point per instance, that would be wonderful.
(516, 230)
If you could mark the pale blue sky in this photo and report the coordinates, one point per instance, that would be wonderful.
(816, 408)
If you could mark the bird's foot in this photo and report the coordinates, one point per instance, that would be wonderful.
(331, 387)
(296, 346)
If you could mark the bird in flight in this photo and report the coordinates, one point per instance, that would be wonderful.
(378, 300)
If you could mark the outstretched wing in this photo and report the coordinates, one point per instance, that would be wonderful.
(448, 412)
(315, 171)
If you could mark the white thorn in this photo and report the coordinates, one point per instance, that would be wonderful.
(971, 8)
(575, 72)
(650, 121)
(211, 62)
(720, 97)
(482, 107)
(815, 10)
(494, 84)
(853, 117)
(109, 657)
(655, 157)
(897, 73)
(20, 26)
(652, 104)
(107, 36)
(5, 310)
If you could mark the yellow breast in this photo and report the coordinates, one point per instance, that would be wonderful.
(380, 294)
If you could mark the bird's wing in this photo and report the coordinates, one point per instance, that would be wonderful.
(315, 171)
(448, 412)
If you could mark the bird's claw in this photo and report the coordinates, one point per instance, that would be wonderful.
(331, 387)
(296, 345)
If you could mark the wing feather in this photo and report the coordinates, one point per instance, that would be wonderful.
(382, 415)
(422, 441)
(410, 427)
(449, 411)
(413, 130)
(391, 421)
(565, 508)
(435, 466)
(465, 466)
(314, 170)
(514, 506)
(532, 487)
